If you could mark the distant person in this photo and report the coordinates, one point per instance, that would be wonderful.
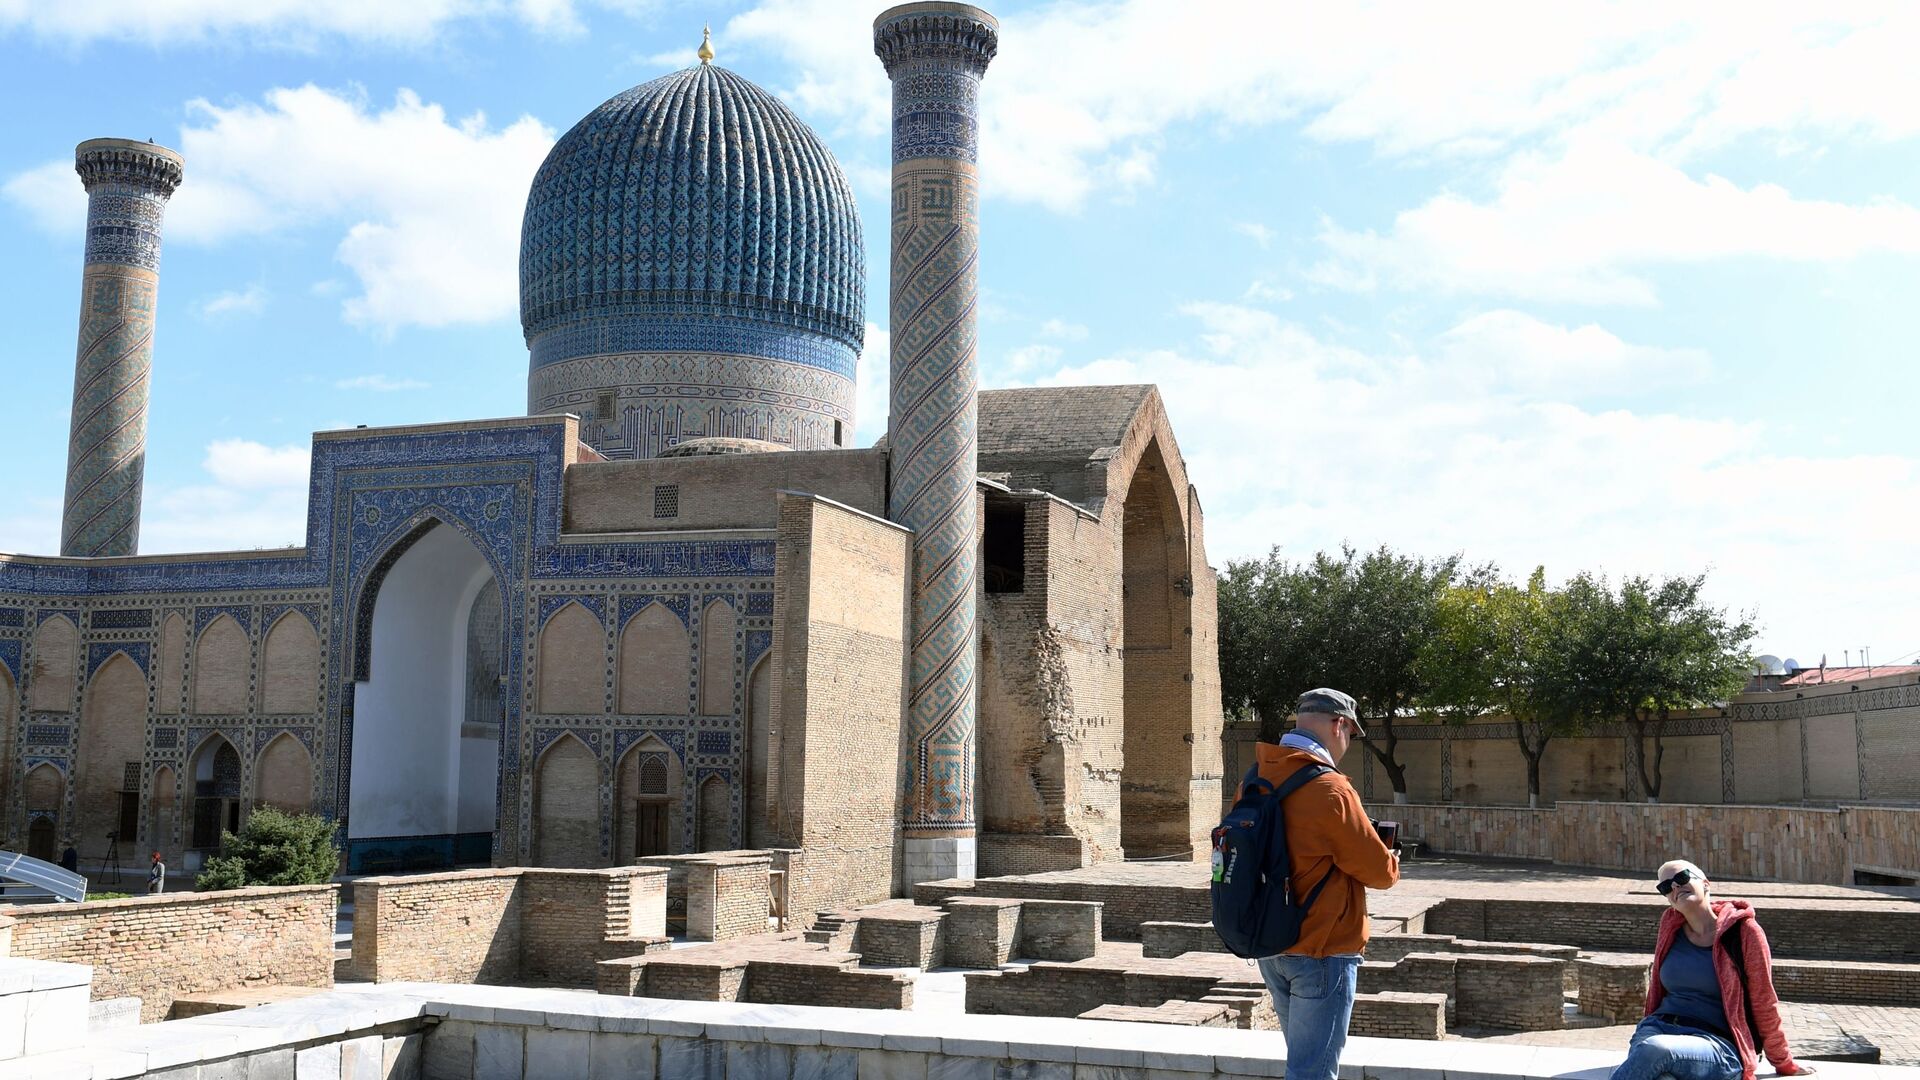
(1332, 843)
(1710, 1001)
(156, 875)
(70, 859)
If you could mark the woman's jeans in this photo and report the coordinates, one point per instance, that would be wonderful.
(1314, 1000)
(1684, 1053)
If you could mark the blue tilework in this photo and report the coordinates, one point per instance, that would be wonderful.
(13, 616)
(270, 614)
(674, 602)
(758, 642)
(550, 604)
(48, 734)
(714, 742)
(120, 619)
(695, 196)
(100, 652)
(204, 617)
(936, 60)
(628, 332)
(10, 658)
(624, 738)
(759, 603)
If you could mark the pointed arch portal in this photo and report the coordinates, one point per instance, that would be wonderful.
(423, 782)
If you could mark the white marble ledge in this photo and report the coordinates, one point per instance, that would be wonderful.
(1198, 1051)
(25, 976)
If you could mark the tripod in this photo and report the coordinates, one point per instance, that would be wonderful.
(110, 863)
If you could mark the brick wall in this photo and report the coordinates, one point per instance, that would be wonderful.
(1166, 939)
(781, 982)
(1396, 1015)
(159, 947)
(504, 925)
(1511, 832)
(1840, 983)
(981, 933)
(1884, 839)
(1044, 989)
(1515, 993)
(1779, 843)
(1859, 933)
(1613, 986)
(1059, 929)
(915, 937)
(1124, 904)
(839, 656)
(727, 898)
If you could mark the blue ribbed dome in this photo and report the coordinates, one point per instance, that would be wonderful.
(692, 208)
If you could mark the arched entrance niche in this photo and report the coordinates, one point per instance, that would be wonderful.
(566, 798)
(1157, 706)
(716, 815)
(647, 801)
(283, 777)
(46, 789)
(9, 695)
(422, 790)
(217, 788)
(760, 753)
(113, 746)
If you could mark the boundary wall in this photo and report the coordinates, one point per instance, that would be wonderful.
(157, 948)
(1776, 843)
(516, 924)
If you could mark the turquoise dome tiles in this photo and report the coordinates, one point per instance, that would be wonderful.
(694, 212)
(686, 221)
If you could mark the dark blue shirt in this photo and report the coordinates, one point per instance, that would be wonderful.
(1693, 988)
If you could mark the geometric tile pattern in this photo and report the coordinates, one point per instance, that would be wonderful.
(692, 214)
(127, 189)
(660, 399)
(936, 60)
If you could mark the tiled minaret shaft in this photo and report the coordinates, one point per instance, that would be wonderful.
(936, 54)
(128, 184)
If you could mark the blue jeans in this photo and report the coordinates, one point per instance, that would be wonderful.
(1314, 999)
(1684, 1053)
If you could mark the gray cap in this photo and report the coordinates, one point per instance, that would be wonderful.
(1331, 702)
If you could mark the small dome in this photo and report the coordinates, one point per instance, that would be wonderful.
(715, 446)
(697, 195)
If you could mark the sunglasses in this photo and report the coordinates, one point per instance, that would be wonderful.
(1678, 879)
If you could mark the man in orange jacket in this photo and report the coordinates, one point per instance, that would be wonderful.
(1330, 838)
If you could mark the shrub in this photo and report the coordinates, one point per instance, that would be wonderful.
(273, 848)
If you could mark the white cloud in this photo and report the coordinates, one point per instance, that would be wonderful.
(427, 209)
(1253, 230)
(299, 23)
(1520, 352)
(1267, 291)
(1583, 226)
(253, 496)
(234, 303)
(384, 384)
(1062, 330)
(1400, 448)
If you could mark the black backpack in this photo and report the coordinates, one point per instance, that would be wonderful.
(1255, 911)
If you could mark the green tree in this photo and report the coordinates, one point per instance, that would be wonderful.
(1649, 649)
(273, 848)
(1347, 620)
(1496, 649)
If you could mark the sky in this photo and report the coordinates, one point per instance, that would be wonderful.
(1624, 289)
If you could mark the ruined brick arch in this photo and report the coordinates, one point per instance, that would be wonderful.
(113, 726)
(283, 775)
(760, 753)
(716, 659)
(566, 806)
(45, 790)
(1157, 680)
(573, 663)
(656, 660)
(290, 667)
(56, 657)
(716, 815)
(162, 809)
(220, 662)
(169, 669)
(649, 809)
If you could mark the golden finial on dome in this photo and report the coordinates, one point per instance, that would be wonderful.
(706, 45)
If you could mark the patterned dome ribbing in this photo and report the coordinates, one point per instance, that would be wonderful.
(697, 198)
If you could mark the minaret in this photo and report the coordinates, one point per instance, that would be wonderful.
(936, 54)
(128, 184)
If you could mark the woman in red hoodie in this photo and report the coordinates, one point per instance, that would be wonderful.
(1711, 1008)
